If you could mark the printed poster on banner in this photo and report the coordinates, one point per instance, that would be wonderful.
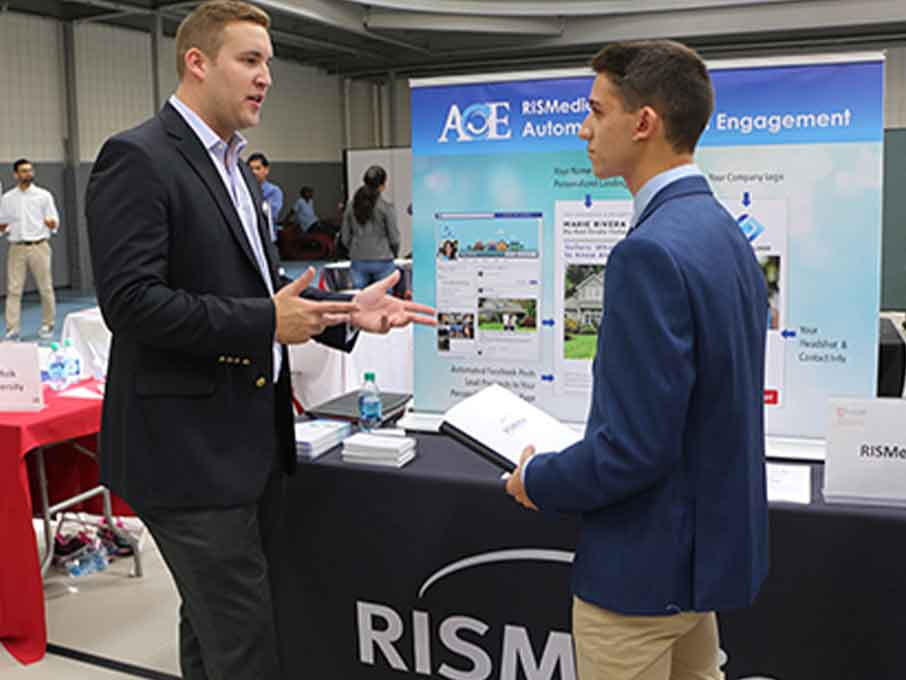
(512, 230)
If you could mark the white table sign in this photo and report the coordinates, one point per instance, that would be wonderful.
(20, 377)
(789, 483)
(866, 451)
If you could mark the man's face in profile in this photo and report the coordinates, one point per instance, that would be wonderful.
(237, 80)
(259, 170)
(608, 130)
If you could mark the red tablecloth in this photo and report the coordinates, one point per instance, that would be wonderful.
(22, 626)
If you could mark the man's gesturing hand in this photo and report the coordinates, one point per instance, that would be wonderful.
(379, 312)
(298, 319)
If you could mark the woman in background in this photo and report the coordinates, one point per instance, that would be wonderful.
(369, 230)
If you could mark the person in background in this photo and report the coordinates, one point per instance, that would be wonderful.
(304, 209)
(669, 478)
(29, 216)
(369, 230)
(273, 194)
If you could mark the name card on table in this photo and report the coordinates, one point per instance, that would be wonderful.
(20, 377)
(866, 452)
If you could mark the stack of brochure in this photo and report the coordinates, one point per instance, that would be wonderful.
(314, 437)
(375, 449)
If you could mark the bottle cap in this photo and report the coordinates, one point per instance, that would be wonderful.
(369, 375)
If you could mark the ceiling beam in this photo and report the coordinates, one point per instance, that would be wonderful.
(527, 8)
(418, 21)
(305, 42)
(345, 17)
(105, 16)
(738, 20)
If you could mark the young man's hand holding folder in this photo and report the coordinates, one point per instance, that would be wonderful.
(506, 430)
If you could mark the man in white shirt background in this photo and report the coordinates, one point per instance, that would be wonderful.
(29, 218)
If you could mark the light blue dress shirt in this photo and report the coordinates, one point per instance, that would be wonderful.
(650, 189)
(273, 196)
(225, 158)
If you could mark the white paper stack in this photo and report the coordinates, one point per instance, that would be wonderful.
(375, 449)
(314, 437)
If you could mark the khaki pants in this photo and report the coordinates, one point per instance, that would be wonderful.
(36, 257)
(612, 646)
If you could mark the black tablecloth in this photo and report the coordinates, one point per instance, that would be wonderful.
(374, 581)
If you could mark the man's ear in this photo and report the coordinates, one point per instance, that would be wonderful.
(648, 122)
(196, 63)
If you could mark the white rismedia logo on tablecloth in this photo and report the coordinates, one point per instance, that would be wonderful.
(381, 628)
(20, 377)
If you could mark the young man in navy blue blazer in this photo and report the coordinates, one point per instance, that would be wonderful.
(669, 478)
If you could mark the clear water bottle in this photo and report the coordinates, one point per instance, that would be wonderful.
(93, 560)
(73, 362)
(56, 368)
(369, 404)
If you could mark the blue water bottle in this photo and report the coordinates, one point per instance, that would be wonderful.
(369, 404)
(56, 368)
(73, 362)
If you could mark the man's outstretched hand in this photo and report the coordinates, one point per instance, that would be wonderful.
(378, 312)
(298, 319)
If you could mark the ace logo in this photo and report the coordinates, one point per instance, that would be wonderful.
(482, 121)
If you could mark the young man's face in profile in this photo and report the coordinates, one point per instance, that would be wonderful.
(237, 81)
(608, 130)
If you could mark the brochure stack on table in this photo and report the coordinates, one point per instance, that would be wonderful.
(375, 449)
(315, 437)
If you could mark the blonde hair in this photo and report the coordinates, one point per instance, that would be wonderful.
(204, 27)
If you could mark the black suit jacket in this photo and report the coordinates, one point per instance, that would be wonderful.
(192, 416)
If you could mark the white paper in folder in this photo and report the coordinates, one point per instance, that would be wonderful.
(506, 424)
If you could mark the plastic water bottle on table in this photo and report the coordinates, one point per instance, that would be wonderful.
(369, 404)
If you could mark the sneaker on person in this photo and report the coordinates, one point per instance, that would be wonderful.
(11, 336)
(45, 332)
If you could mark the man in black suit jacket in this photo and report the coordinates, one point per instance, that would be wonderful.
(197, 429)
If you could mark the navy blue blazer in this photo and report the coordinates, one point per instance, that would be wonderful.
(670, 476)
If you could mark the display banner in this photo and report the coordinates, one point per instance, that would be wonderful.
(512, 230)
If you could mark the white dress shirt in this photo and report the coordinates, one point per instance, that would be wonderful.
(225, 158)
(26, 211)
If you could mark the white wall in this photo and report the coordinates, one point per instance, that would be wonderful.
(113, 73)
(302, 118)
(32, 99)
(402, 112)
(361, 115)
(301, 121)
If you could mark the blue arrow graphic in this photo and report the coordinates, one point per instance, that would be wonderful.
(548, 378)
(547, 322)
(746, 199)
(788, 333)
(587, 200)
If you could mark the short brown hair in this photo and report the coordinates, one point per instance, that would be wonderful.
(667, 76)
(203, 28)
